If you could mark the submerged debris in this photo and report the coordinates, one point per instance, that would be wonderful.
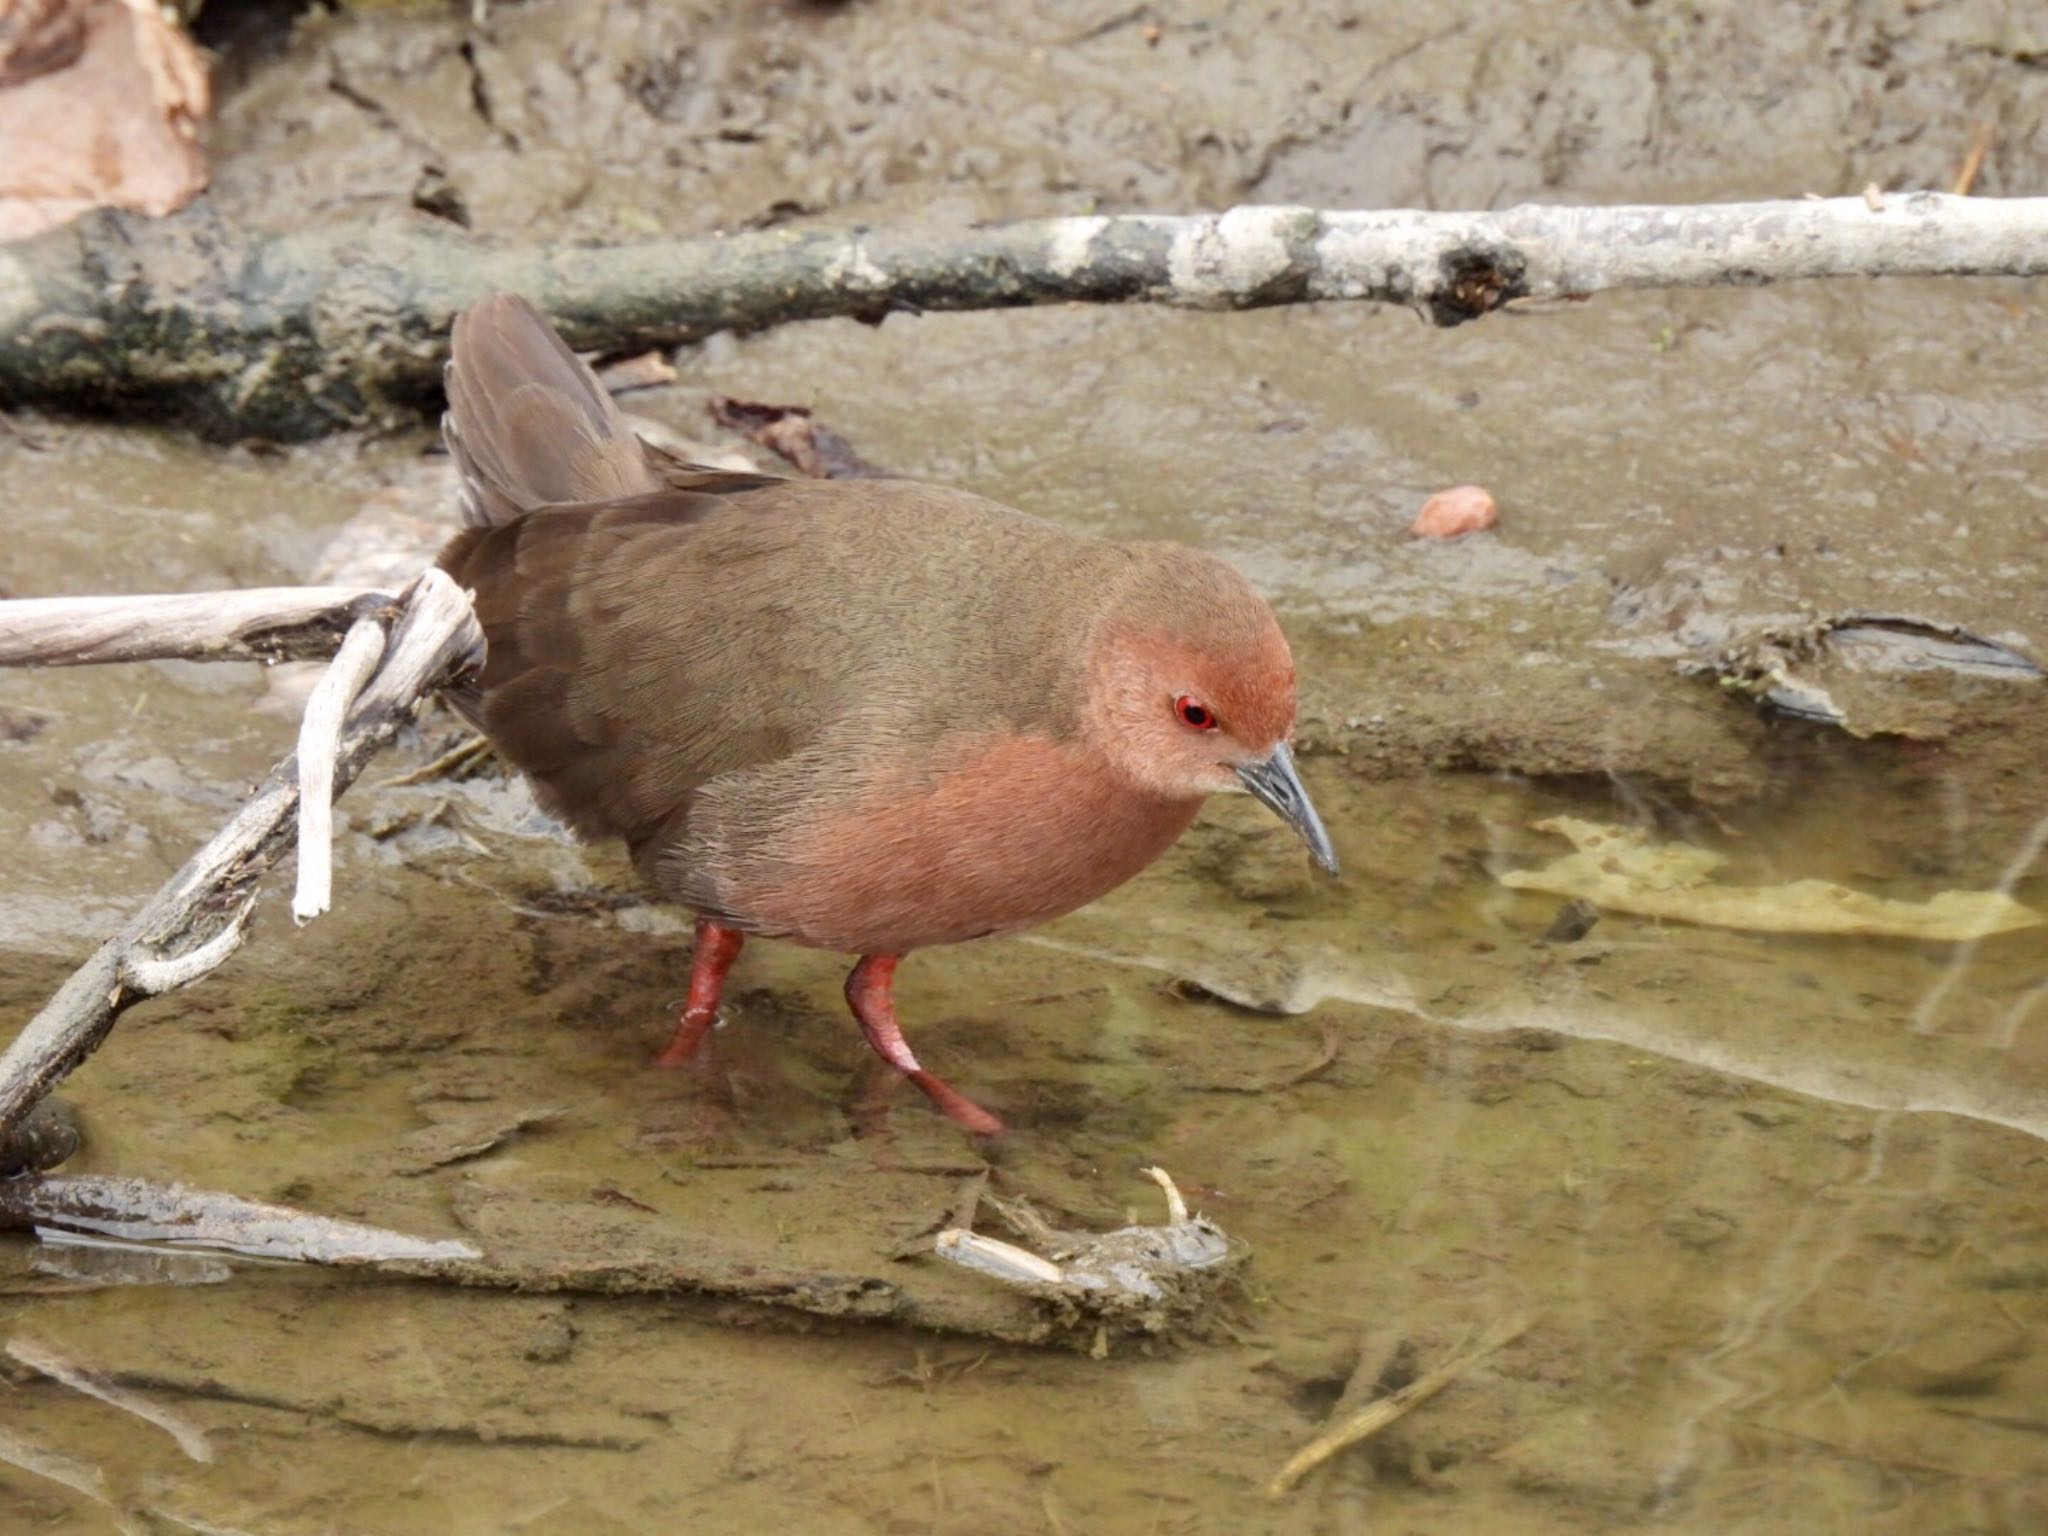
(1574, 920)
(48, 1135)
(1141, 1277)
(139, 1210)
(1869, 674)
(1618, 869)
(45, 1361)
(1376, 1416)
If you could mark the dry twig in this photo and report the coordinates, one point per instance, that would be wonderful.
(1973, 162)
(1377, 1415)
(196, 920)
(254, 624)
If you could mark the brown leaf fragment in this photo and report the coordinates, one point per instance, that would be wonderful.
(37, 36)
(101, 103)
(792, 432)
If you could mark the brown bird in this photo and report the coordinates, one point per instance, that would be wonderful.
(864, 715)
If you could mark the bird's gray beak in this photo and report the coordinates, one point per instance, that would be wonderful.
(1278, 786)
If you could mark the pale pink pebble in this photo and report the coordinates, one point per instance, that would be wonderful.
(1460, 509)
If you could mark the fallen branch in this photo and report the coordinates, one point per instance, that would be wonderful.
(254, 624)
(196, 920)
(138, 1210)
(544, 1246)
(290, 335)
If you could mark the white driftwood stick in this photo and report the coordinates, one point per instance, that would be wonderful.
(997, 1259)
(1550, 253)
(252, 624)
(182, 930)
(319, 740)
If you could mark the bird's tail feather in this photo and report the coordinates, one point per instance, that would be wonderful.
(528, 423)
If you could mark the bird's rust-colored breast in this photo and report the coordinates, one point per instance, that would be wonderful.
(992, 834)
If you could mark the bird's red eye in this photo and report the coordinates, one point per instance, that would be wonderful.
(1193, 714)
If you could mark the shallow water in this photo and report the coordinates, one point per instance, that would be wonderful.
(1775, 1207)
(1752, 1308)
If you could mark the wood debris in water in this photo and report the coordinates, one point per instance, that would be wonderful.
(143, 1211)
(42, 1359)
(1618, 869)
(1147, 1277)
(1378, 1414)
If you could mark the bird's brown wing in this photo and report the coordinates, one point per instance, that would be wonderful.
(635, 651)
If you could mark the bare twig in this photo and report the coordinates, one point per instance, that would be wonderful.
(88, 320)
(149, 976)
(1870, 1456)
(195, 920)
(1973, 162)
(1377, 1415)
(466, 754)
(255, 624)
(319, 740)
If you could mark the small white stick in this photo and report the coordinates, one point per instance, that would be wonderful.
(436, 638)
(1176, 1208)
(319, 741)
(991, 1256)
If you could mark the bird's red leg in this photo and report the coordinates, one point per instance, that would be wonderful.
(870, 991)
(717, 948)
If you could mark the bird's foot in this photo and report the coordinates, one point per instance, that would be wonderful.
(870, 991)
(955, 1105)
(691, 1029)
(717, 948)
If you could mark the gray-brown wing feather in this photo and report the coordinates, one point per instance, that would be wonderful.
(584, 553)
(619, 676)
(528, 423)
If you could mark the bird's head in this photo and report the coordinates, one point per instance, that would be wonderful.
(1191, 688)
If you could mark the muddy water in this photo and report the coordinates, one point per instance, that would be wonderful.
(1776, 1207)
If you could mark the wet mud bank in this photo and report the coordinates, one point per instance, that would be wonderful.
(1771, 1200)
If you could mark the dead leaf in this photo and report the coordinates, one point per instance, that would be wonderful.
(791, 431)
(1618, 869)
(101, 102)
